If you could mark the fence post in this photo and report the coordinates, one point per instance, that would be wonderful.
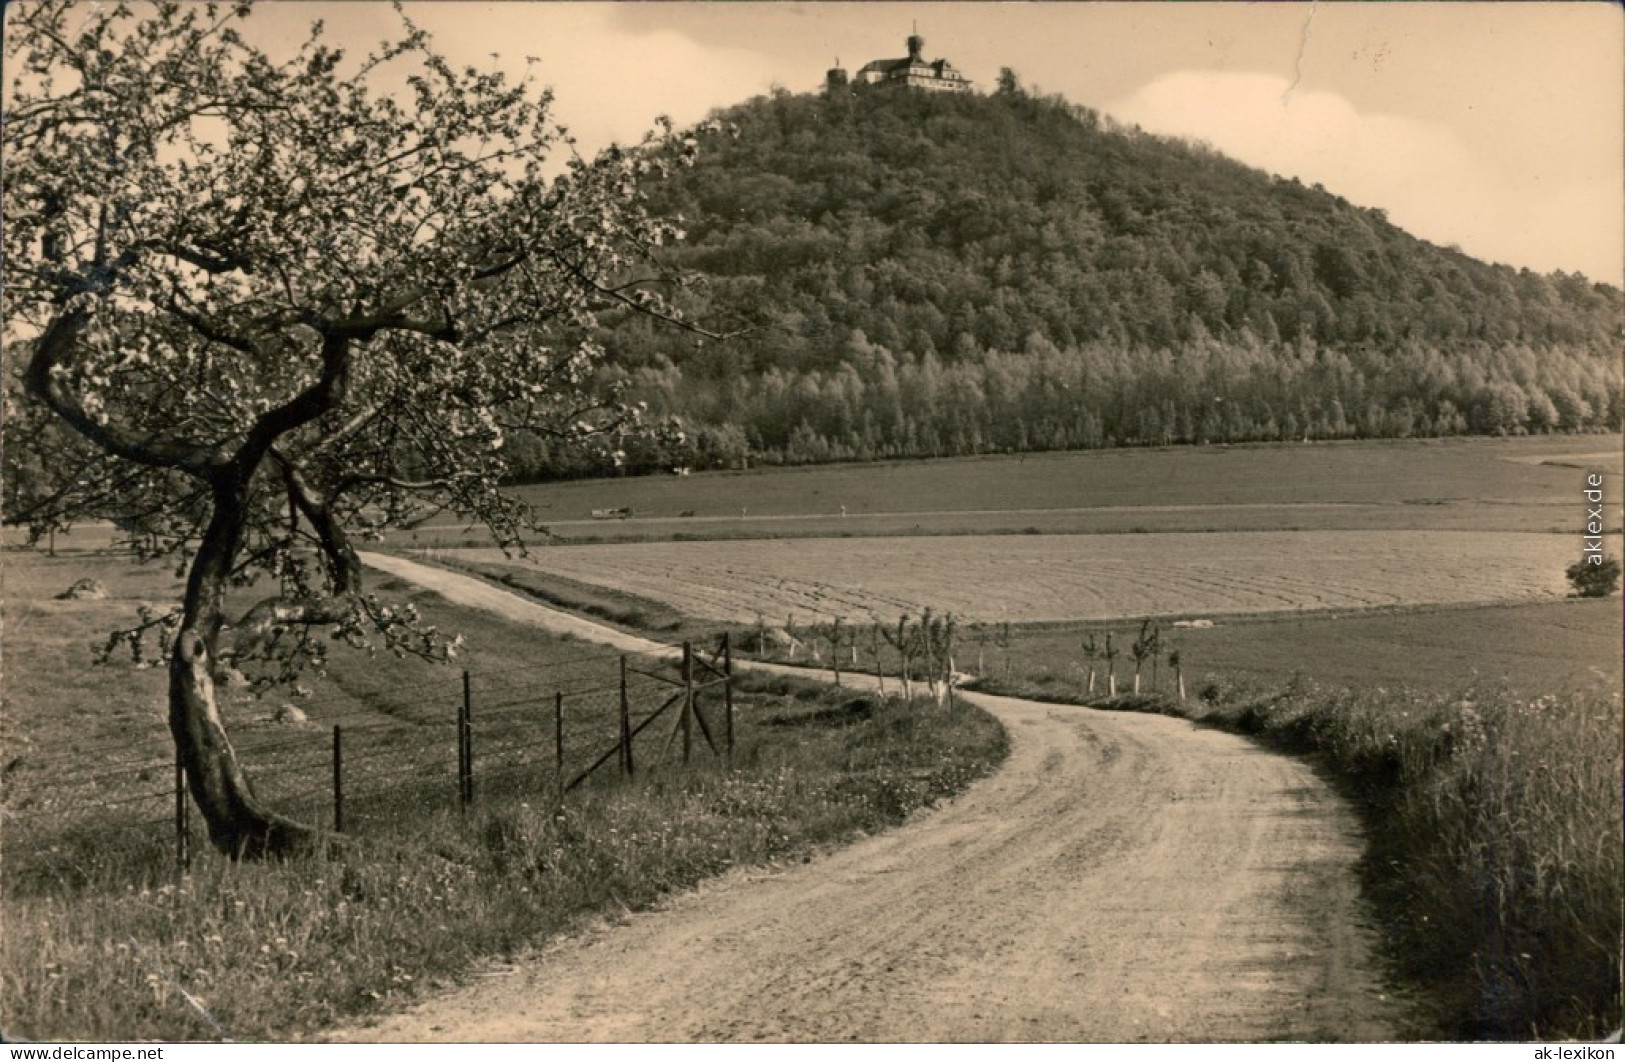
(338, 778)
(835, 649)
(183, 848)
(465, 745)
(728, 692)
(626, 724)
(688, 700)
(558, 741)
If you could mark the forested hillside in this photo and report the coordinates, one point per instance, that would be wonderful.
(939, 274)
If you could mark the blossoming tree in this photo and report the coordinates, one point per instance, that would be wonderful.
(263, 305)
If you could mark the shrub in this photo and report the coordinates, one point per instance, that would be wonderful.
(1594, 580)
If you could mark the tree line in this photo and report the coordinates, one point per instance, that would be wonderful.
(879, 404)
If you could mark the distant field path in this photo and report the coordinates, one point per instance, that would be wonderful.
(1122, 877)
(1037, 578)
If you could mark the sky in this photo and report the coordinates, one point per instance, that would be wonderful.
(1495, 127)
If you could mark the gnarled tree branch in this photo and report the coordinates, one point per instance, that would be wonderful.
(144, 448)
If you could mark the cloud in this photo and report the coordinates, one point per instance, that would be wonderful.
(1428, 179)
(610, 84)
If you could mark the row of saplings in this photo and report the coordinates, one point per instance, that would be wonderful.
(924, 648)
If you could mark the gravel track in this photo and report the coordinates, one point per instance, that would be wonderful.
(1122, 877)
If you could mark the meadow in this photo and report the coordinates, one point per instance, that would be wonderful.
(105, 941)
(1548, 647)
(1512, 484)
(1524, 484)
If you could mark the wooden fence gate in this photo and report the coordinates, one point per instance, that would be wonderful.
(685, 697)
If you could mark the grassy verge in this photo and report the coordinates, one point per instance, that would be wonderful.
(1493, 825)
(115, 946)
(1549, 646)
(628, 611)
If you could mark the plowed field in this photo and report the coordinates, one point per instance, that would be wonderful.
(1018, 579)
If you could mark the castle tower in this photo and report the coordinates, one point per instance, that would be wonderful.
(916, 47)
(835, 79)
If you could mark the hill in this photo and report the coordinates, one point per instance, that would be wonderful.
(933, 274)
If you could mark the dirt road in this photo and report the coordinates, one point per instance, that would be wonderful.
(1123, 877)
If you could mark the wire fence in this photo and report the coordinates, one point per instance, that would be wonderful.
(540, 730)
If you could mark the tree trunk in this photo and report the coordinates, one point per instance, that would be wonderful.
(1111, 683)
(1136, 678)
(1180, 674)
(1091, 682)
(238, 824)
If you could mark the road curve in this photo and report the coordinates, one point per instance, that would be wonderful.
(1123, 877)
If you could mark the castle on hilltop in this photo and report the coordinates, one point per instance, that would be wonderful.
(911, 71)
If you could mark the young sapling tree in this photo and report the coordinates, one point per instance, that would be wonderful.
(905, 642)
(1091, 652)
(927, 643)
(1145, 647)
(979, 633)
(875, 637)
